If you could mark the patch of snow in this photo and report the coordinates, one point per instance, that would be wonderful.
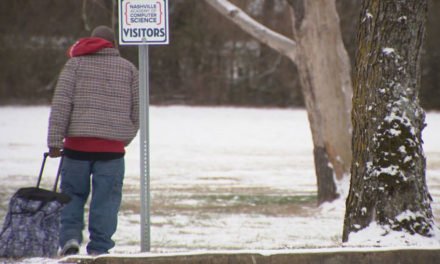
(402, 19)
(376, 235)
(402, 119)
(390, 170)
(395, 132)
(363, 210)
(368, 16)
(408, 215)
(388, 51)
(402, 149)
(407, 159)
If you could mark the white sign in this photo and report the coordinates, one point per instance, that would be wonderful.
(143, 22)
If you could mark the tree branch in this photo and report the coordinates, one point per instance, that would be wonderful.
(274, 40)
(84, 15)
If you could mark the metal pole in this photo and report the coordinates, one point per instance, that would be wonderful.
(144, 102)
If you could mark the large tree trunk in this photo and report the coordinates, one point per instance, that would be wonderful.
(388, 183)
(324, 70)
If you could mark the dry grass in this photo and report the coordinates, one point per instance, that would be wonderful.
(228, 201)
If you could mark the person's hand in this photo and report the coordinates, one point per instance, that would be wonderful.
(54, 152)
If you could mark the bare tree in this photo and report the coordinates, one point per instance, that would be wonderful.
(388, 185)
(323, 64)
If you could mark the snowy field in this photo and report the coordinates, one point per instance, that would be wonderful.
(221, 178)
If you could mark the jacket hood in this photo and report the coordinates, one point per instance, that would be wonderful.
(86, 46)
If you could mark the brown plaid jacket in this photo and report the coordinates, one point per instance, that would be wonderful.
(96, 96)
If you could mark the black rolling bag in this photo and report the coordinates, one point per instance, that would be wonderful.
(31, 226)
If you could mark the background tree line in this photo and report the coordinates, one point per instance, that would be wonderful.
(209, 60)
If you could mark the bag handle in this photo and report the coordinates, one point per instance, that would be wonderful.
(55, 186)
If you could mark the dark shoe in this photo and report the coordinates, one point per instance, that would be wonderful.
(70, 248)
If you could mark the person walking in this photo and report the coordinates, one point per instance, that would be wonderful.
(94, 115)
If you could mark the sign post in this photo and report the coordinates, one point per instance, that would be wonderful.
(143, 23)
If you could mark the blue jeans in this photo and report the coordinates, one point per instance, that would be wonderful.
(105, 179)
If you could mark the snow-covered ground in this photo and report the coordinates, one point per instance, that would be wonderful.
(221, 178)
